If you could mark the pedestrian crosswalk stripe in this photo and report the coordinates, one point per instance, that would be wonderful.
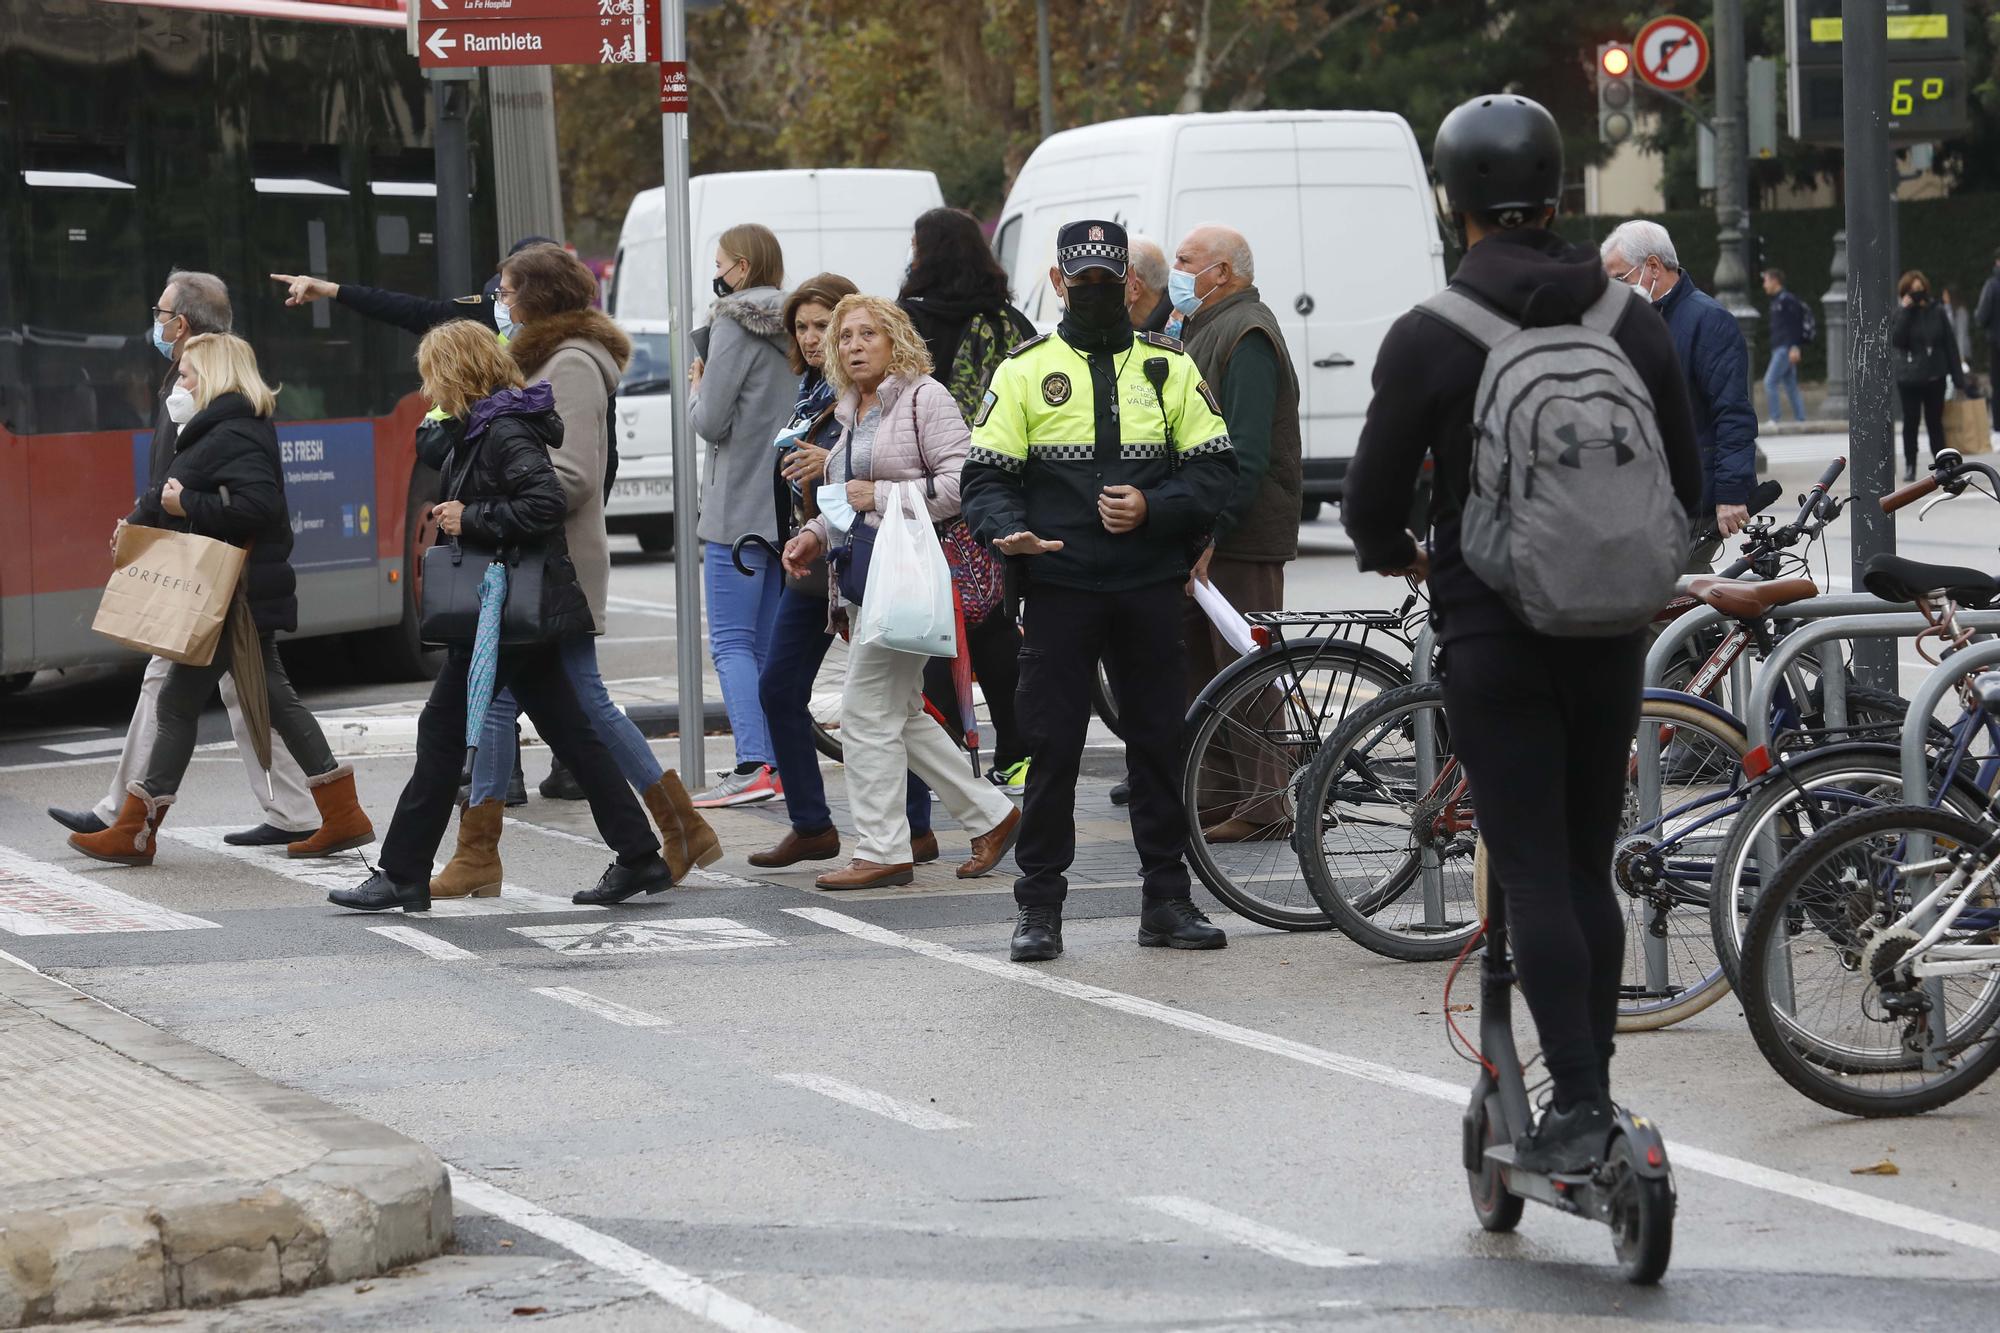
(37, 898)
(424, 944)
(877, 1103)
(1241, 1230)
(347, 870)
(609, 1010)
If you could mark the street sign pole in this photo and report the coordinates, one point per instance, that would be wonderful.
(1870, 450)
(451, 97)
(680, 292)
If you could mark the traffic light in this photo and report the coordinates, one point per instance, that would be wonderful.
(1614, 92)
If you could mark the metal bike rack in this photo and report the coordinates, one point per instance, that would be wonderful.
(1942, 680)
(1423, 650)
(1894, 625)
(1699, 618)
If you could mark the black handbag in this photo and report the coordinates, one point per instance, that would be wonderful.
(453, 573)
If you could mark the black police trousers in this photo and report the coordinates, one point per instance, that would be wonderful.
(1138, 633)
(1544, 728)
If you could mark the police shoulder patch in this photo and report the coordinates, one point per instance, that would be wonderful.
(1208, 396)
(986, 407)
(1035, 341)
(1161, 340)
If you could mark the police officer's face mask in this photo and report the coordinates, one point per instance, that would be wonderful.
(1097, 307)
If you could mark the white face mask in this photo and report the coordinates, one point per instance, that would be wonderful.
(180, 406)
(833, 506)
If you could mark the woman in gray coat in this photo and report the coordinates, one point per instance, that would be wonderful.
(743, 395)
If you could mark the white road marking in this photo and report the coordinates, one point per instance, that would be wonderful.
(1243, 1231)
(685, 935)
(424, 944)
(1836, 1197)
(879, 1103)
(37, 898)
(96, 745)
(682, 1290)
(347, 870)
(639, 606)
(714, 879)
(609, 1010)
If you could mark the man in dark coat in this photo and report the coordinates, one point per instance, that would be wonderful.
(193, 303)
(1986, 317)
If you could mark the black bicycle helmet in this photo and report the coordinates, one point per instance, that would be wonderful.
(1500, 154)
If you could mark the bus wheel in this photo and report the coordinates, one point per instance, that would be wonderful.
(15, 683)
(394, 652)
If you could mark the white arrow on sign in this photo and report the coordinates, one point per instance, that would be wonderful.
(440, 4)
(438, 43)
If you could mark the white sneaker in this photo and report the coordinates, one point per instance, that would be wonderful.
(740, 789)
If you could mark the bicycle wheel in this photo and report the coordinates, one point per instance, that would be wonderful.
(1662, 870)
(1830, 1008)
(1102, 701)
(1385, 829)
(1784, 810)
(1245, 754)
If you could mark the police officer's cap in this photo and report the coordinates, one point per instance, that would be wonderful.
(1499, 153)
(1086, 245)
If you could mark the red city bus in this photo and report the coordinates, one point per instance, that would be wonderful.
(238, 137)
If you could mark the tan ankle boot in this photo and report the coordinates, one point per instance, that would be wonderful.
(133, 837)
(342, 823)
(686, 839)
(474, 871)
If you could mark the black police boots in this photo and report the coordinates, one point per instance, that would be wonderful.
(1568, 1141)
(561, 784)
(379, 893)
(620, 882)
(1037, 935)
(1176, 923)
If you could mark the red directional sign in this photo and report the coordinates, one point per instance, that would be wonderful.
(1671, 53)
(467, 33)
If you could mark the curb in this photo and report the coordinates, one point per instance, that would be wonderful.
(355, 736)
(140, 1239)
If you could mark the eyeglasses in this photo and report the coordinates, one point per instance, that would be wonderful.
(507, 294)
(160, 310)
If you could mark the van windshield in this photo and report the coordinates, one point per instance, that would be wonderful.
(650, 370)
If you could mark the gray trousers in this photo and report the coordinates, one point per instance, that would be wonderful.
(188, 688)
(285, 801)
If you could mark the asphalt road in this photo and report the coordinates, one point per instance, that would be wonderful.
(753, 1106)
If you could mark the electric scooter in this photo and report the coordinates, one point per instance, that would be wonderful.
(1631, 1190)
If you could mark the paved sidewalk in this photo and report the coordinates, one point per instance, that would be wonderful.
(140, 1173)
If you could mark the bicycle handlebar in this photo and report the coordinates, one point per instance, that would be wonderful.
(1904, 496)
(1950, 472)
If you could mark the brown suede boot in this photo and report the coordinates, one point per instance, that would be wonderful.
(342, 824)
(686, 840)
(474, 871)
(133, 838)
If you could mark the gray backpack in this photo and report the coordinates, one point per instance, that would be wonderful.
(1571, 517)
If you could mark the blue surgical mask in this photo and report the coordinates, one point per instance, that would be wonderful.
(1180, 289)
(833, 505)
(503, 318)
(160, 343)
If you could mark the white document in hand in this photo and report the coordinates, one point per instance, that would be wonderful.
(1228, 622)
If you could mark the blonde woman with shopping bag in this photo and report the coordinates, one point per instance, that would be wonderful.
(899, 425)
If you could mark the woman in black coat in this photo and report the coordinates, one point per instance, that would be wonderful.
(492, 452)
(1926, 356)
(226, 481)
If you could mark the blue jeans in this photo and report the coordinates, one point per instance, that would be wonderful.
(741, 613)
(494, 763)
(1783, 374)
(799, 643)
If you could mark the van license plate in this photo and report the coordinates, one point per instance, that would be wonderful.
(643, 488)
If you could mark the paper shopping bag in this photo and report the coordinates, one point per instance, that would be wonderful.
(169, 593)
(1966, 427)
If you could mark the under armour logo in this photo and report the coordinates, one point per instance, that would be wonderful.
(1572, 453)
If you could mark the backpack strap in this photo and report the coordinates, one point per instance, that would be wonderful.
(1608, 311)
(1482, 325)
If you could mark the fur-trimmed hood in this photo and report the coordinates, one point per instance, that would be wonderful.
(533, 344)
(760, 310)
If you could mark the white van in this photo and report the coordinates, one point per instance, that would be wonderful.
(1336, 206)
(854, 222)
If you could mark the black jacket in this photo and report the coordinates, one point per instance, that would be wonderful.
(1425, 377)
(1926, 347)
(233, 489)
(513, 497)
(160, 452)
(418, 314)
(942, 321)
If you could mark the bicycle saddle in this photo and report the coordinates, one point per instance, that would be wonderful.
(1895, 579)
(1742, 599)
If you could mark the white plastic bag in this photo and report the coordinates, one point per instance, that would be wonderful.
(907, 604)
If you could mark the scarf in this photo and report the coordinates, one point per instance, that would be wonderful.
(815, 396)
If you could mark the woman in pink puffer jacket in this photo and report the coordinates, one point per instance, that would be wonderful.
(899, 424)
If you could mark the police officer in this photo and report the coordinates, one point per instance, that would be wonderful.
(1543, 725)
(1099, 461)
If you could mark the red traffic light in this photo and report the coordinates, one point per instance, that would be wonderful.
(1616, 61)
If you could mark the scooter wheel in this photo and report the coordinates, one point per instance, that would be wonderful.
(1492, 1204)
(1642, 1216)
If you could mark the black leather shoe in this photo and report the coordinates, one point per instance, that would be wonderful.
(1566, 1142)
(381, 894)
(1176, 923)
(620, 882)
(77, 821)
(1122, 794)
(1037, 935)
(517, 785)
(560, 784)
(267, 835)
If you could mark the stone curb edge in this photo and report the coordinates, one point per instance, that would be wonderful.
(371, 1202)
(352, 735)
